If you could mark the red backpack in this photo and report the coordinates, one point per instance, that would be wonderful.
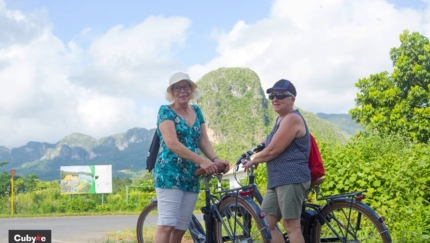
(315, 161)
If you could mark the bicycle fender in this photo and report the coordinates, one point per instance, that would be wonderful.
(376, 215)
(352, 201)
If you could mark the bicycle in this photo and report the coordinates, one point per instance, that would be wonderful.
(342, 218)
(228, 217)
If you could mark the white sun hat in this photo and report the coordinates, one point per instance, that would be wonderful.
(180, 76)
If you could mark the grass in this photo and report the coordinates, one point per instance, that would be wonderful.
(121, 236)
(67, 214)
(129, 236)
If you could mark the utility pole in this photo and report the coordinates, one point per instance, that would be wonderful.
(12, 173)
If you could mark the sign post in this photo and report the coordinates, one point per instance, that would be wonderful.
(12, 173)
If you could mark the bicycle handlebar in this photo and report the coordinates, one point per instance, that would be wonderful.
(221, 167)
(250, 152)
(201, 171)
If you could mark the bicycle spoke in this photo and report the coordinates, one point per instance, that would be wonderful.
(147, 226)
(238, 223)
(349, 223)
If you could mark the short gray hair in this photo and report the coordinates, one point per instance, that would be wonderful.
(289, 93)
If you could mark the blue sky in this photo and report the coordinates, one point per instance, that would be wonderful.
(101, 67)
(71, 17)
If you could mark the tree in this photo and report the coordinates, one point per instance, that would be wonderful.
(399, 102)
(4, 184)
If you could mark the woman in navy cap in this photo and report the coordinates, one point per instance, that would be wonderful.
(286, 153)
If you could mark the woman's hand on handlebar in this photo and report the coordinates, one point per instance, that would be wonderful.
(225, 163)
(209, 166)
(248, 164)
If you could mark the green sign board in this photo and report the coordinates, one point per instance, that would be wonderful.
(86, 179)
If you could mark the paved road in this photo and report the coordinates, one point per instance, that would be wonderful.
(79, 229)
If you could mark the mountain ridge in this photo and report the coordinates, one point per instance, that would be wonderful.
(237, 116)
(35, 154)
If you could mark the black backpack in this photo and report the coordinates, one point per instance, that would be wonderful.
(151, 158)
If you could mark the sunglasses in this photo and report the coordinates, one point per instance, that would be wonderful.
(178, 88)
(279, 96)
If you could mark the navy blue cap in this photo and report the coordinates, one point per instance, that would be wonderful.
(283, 85)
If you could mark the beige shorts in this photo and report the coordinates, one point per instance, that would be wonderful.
(285, 202)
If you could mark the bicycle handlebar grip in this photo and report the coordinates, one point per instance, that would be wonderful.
(260, 147)
(201, 171)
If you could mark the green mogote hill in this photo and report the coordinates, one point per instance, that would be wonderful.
(239, 115)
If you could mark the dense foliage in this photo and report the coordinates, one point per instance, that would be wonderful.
(391, 157)
(396, 175)
(398, 103)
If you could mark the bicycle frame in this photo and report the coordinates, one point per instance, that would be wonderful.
(322, 223)
(211, 213)
(310, 212)
(227, 216)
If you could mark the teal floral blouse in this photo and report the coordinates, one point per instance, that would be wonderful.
(172, 171)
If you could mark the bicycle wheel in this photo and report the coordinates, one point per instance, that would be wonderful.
(239, 222)
(350, 222)
(147, 223)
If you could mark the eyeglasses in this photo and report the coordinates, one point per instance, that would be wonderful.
(178, 88)
(279, 96)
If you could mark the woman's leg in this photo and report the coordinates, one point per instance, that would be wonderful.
(169, 204)
(277, 237)
(271, 208)
(294, 230)
(291, 198)
(188, 203)
(163, 233)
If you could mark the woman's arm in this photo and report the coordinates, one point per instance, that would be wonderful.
(206, 147)
(291, 126)
(167, 129)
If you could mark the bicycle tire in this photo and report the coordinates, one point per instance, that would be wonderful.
(239, 222)
(353, 222)
(147, 226)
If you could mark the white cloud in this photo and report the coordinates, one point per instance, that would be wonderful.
(323, 47)
(102, 113)
(133, 61)
(51, 89)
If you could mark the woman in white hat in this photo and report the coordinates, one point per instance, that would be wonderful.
(183, 135)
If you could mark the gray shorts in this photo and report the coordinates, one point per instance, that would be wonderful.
(285, 202)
